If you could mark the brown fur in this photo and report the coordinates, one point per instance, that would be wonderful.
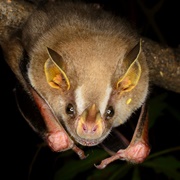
(93, 45)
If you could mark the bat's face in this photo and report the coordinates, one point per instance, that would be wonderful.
(90, 94)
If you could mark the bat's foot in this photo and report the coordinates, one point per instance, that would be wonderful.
(58, 141)
(134, 153)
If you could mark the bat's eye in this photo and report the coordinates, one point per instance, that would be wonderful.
(109, 113)
(70, 110)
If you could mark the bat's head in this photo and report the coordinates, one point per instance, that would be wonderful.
(92, 95)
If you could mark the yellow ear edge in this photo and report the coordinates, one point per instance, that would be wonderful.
(55, 75)
(132, 75)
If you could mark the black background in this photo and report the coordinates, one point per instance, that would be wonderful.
(18, 141)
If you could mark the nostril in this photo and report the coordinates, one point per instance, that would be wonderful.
(84, 127)
(89, 129)
(94, 128)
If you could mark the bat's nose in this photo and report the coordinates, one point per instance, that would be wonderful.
(90, 124)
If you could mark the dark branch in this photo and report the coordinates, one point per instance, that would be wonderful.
(12, 16)
(164, 65)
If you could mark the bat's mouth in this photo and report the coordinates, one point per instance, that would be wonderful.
(119, 137)
(86, 142)
(90, 142)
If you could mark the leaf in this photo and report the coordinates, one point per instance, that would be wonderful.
(74, 167)
(156, 107)
(175, 113)
(169, 166)
(106, 173)
(136, 174)
(121, 172)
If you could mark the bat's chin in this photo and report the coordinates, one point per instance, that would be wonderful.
(87, 142)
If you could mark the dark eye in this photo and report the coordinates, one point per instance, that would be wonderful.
(109, 113)
(70, 110)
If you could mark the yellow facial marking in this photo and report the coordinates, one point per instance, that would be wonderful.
(128, 101)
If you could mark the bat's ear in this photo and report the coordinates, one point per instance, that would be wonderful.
(133, 73)
(54, 70)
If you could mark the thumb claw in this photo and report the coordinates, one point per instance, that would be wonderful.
(100, 166)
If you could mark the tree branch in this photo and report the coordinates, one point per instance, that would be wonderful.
(164, 64)
(12, 16)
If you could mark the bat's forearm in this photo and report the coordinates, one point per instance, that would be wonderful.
(56, 137)
(138, 149)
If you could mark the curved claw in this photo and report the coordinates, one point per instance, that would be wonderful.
(79, 152)
(107, 161)
(57, 137)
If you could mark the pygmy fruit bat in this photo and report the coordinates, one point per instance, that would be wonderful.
(83, 72)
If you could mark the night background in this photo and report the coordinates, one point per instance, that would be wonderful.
(24, 156)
